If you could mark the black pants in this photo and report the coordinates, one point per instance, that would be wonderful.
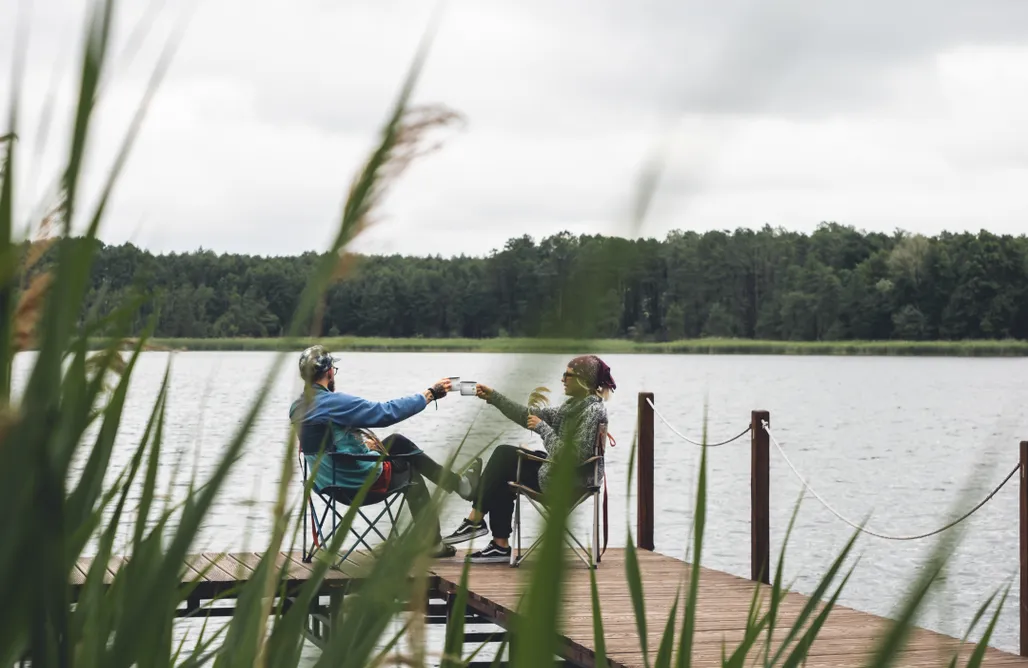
(413, 470)
(495, 497)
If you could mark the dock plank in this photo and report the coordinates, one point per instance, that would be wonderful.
(210, 569)
(848, 638)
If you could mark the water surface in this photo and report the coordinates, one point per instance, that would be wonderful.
(896, 438)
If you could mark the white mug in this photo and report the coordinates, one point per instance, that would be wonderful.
(467, 388)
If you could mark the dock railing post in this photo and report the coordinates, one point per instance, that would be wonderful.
(644, 461)
(760, 498)
(1023, 530)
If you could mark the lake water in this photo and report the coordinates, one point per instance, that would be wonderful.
(898, 438)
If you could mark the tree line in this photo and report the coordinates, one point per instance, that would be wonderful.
(836, 283)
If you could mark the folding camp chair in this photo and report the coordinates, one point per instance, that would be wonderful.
(591, 490)
(324, 525)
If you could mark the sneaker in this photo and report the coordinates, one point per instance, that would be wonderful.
(474, 475)
(466, 531)
(491, 554)
(442, 551)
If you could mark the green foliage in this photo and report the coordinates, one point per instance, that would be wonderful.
(986, 348)
(836, 284)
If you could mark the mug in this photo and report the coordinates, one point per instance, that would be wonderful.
(454, 383)
(467, 388)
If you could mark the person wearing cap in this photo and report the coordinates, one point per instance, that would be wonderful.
(328, 419)
(575, 423)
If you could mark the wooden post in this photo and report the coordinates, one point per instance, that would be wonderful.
(1023, 493)
(760, 498)
(644, 492)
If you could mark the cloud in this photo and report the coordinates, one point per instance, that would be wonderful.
(877, 114)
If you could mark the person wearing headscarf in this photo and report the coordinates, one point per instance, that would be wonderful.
(575, 423)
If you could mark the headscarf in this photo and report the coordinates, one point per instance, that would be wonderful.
(594, 372)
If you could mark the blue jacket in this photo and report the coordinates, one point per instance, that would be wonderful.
(326, 423)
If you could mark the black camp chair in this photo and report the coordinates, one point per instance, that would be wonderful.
(325, 524)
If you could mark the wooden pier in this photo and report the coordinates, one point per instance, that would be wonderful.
(847, 638)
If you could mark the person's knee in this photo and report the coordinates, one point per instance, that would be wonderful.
(504, 453)
(397, 443)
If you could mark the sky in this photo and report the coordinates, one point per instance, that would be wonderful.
(883, 115)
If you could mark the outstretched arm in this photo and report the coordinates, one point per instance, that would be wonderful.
(357, 412)
(519, 413)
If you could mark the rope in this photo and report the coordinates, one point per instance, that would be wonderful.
(689, 440)
(873, 533)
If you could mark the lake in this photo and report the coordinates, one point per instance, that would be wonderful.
(898, 438)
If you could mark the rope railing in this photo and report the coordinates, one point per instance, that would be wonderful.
(876, 534)
(689, 440)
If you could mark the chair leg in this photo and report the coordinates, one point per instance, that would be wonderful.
(303, 515)
(587, 556)
(515, 561)
(596, 530)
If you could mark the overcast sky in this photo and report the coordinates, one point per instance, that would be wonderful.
(880, 114)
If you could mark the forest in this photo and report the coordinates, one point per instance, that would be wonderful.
(836, 283)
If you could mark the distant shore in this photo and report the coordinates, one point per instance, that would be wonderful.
(1004, 348)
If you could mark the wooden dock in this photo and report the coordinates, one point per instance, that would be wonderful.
(847, 639)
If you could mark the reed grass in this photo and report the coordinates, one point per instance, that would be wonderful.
(62, 496)
(972, 348)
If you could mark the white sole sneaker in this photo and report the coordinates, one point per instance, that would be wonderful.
(464, 537)
(492, 559)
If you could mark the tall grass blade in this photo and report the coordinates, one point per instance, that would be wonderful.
(667, 640)
(890, 645)
(453, 646)
(93, 61)
(799, 653)
(978, 655)
(700, 523)
(635, 589)
(815, 597)
(8, 137)
(974, 622)
(776, 585)
(82, 498)
(7, 261)
(755, 623)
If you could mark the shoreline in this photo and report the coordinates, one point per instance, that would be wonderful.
(983, 348)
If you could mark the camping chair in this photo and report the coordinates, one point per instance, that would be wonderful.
(324, 525)
(591, 557)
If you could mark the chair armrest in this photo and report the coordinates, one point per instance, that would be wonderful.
(531, 457)
(369, 457)
(528, 491)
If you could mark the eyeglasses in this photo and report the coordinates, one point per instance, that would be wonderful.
(567, 375)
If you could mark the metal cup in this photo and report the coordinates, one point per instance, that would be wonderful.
(454, 383)
(467, 388)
